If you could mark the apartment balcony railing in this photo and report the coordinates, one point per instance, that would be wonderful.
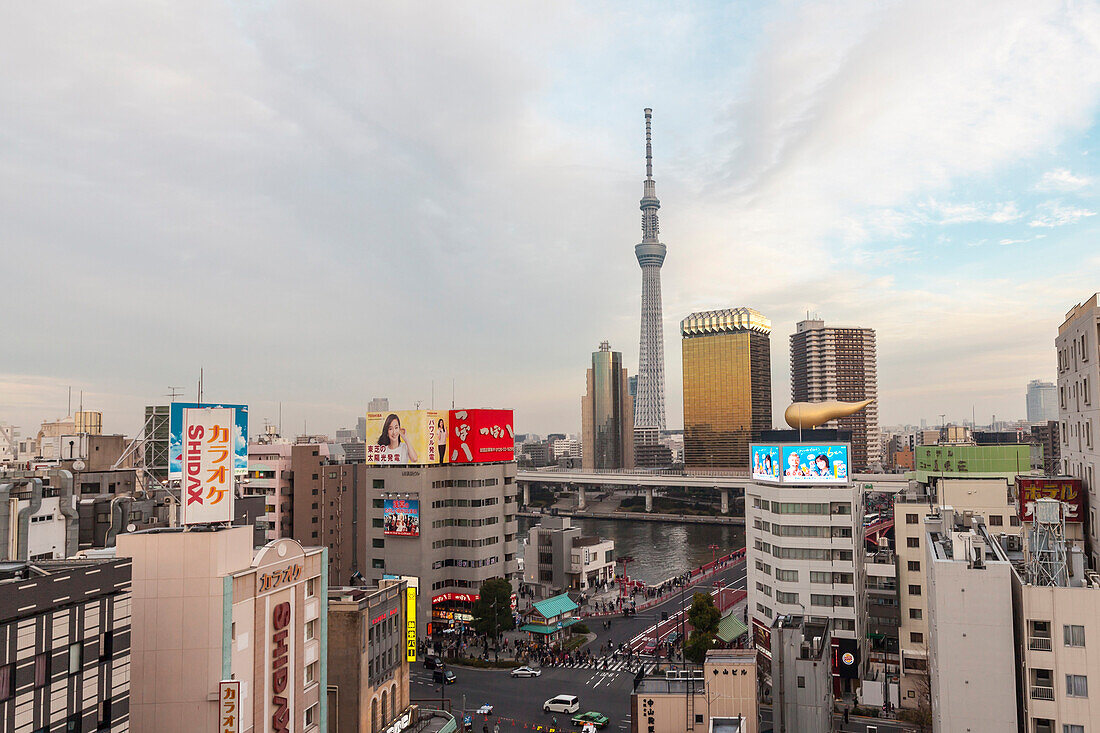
(1042, 693)
(1039, 644)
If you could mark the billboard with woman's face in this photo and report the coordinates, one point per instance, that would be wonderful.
(401, 517)
(765, 462)
(815, 464)
(407, 437)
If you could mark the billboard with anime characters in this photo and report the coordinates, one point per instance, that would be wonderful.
(765, 462)
(806, 463)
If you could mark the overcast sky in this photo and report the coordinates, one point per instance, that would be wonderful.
(324, 202)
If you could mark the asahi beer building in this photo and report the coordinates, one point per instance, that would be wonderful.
(207, 608)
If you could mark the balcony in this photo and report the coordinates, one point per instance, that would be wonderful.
(1042, 693)
(1039, 644)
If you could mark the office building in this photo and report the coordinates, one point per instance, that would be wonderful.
(377, 404)
(65, 660)
(801, 675)
(971, 648)
(607, 414)
(558, 559)
(649, 405)
(368, 667)
(1042, 401)
(465, 528)
(719, 695)
(1045, 435)
(805, 557)
(206, 608)
(727, 386)
(839, 363)
(1079, 406)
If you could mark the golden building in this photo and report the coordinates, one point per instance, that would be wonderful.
(727, 386)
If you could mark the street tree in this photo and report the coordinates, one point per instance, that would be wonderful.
(492, 611)
(704, 617)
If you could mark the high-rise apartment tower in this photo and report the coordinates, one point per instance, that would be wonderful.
(839, 363)
(727, 386)
(649, 406)
(1042, 401)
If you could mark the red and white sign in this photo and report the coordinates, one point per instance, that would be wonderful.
(460, 597)
(207, 461)
(280, 703)
(1069, 491)
(229, 706)
(481, 436)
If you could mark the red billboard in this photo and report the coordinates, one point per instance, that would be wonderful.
(480, 436)
(1069, 491)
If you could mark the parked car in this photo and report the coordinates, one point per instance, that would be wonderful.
(431, 662)
(593, 718)
(443, 675)
(526, 672)
(485, 709)
(562, 704)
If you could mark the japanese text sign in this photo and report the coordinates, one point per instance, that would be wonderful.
(1069, 491)
(481, 436)
(206, 493)
(229, 706)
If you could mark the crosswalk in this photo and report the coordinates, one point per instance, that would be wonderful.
(610, 665)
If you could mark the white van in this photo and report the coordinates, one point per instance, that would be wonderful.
(562, 704)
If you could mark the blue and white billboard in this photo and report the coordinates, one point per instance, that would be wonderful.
(826, 463)
(765, 462)
(175, 437)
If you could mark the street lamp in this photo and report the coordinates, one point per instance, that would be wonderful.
(713, 553)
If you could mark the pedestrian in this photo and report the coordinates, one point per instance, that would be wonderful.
(845, 716)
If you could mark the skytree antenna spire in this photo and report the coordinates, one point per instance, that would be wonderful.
(649, 402)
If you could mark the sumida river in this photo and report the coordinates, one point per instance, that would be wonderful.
(660, 549)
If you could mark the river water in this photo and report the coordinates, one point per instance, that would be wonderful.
(660, 549)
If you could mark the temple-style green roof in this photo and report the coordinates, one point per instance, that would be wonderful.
(730, 628)
(542, 629)
(555, 606)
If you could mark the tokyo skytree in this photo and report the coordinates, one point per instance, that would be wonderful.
(649, 402)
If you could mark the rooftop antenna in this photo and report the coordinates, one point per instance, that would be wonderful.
(433, 394)
(452, 393)
(200, 385)
(173, 393)
(69, 403)
(280, 418)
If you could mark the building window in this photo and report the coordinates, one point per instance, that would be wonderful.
(1014, 521)
(996, 520)
(912, 541)
(787, 576)
(311, 587)
(311, 715)
(914, 566)
(311, 673)
(1073, 635)
(781, 597)
(911, 519)
(41, 669)
(916, 637)
(801, 681)
(311, 629)
(1077, 685)
(376, 522)
(376, 563)
(378, 483)
(76, 657)
(1071, 728)
(378, 503)
(914, 590)
(916, 613)
(819, 577)
(378, 542)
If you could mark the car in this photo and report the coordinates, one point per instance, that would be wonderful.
(650, 647)
(526, 672)
(432, 661)
(562, 704)
(599, 720)
(485, 709)
(443, 675)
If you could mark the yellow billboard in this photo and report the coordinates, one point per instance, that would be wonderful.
(407, 437)
(410, 624)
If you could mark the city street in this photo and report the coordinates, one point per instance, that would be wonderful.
(518, 702)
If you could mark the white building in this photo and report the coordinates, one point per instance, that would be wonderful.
(558, 559)
(1079, 404)
(971, 650)
(1042, 401)
(804, 554)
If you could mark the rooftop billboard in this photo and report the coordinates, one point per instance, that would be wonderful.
(1069, 491)
(407, 437)
(481, 436)
(206, 493)
(801, 463)
(175, 436)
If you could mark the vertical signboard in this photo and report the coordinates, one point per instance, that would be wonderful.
(206, 492)
(410, 624)
(481, 436)
(239, 435)
(229, 705)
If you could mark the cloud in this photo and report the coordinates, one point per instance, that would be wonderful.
(943, 213)
(1061, 179)
(1005, 242)
(1056, 214)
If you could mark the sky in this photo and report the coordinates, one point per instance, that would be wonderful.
(322, 203)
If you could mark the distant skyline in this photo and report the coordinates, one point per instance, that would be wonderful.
(323, 204)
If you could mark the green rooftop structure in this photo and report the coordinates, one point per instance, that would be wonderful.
(975, 461)
(547, 620)
(730, 628)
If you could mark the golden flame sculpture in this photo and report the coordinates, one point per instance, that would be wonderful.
(811, 414)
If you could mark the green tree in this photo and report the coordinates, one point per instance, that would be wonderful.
(704, 618)
(493, 609)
